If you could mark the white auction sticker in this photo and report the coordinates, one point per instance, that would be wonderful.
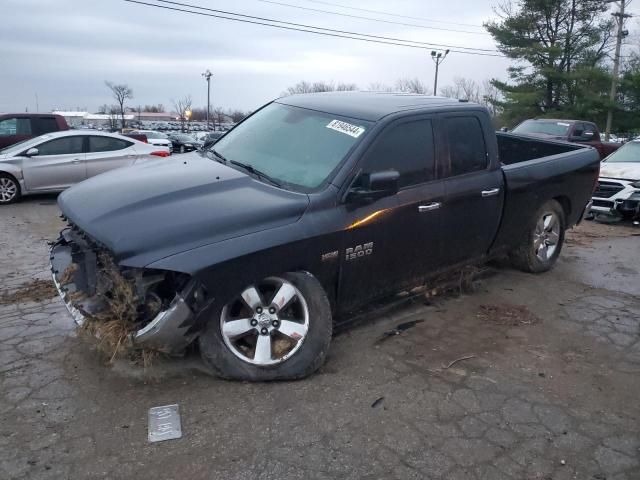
(344, 127)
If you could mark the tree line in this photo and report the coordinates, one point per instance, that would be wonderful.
(182, 108)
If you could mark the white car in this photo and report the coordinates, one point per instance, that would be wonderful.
(55, 161)
(618, 190)
(156, 138)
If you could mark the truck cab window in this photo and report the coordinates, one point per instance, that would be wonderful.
(467, 150)
(406, 148)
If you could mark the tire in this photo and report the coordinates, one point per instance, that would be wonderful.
(541, 247)
(182, 149)
(9, 189)
(231, 354)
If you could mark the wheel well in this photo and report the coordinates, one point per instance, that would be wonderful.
(566, 206)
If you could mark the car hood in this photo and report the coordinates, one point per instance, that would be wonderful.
(622, 170)
(156, 209)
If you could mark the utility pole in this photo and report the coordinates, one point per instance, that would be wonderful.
(438, 58)
(207, 76)
(620, 16)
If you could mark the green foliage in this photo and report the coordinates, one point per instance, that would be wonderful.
(559, 47)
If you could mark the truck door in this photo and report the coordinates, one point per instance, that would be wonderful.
(394, 240)
(58, 165)
(474, 189)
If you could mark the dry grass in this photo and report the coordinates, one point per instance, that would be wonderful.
(34, 291)
(113, 326)
(506, 314)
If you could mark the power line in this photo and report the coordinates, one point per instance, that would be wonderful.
(370, 18)
(380, 12)
(313, 29)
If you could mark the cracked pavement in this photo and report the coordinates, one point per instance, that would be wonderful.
(552, 399)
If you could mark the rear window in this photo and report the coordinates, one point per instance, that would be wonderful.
(45, 125)
(106, 144)
(467, 150)
(15, 126)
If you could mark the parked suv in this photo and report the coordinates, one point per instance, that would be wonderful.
(16, 127)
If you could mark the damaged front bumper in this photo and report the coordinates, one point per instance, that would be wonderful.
(166, 303)
(617, 198)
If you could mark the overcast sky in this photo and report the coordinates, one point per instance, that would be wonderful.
(63, 51)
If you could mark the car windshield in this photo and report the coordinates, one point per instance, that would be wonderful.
(546, 127)
(154, 135)
(183, 138)
(293, 145)
(629, 152)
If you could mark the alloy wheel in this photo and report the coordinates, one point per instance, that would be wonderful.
(546, 236)
(267, 323)
(8, 189)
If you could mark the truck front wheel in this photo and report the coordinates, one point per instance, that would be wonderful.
(545, 236)
(276, 329)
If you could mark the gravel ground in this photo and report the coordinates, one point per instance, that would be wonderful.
(547, 387)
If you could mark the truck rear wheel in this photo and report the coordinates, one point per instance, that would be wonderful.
(543, 243)
(277, 329)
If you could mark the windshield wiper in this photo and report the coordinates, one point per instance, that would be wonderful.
(219, 155)
(251, 169)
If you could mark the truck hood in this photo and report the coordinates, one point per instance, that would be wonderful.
(156, 209)
(622, 170)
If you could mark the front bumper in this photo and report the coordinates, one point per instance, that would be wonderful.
(616, 198)
(76, 274)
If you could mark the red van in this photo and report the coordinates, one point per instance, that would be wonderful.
(16, 127)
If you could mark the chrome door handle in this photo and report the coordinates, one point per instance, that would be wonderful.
(429, 207)
(490, 193)
(76, 161)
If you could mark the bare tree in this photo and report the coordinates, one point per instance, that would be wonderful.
(182, 107)
(411, 85)
(468, 89)
(113, 112)
(120, 93)
(379, 87)
(306, 87)
(218, 116)
(237, 115)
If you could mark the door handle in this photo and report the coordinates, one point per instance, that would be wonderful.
(428, 207)
(76, 161)
(490, 193)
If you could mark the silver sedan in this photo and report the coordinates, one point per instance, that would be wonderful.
(55, 161)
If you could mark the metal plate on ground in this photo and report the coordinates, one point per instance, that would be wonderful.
(164, 423)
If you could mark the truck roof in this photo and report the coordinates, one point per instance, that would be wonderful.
(370, 106)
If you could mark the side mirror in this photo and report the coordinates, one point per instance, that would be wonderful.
(374, 185)
(32, 152)
(504, 129)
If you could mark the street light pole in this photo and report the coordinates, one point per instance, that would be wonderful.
(620, 16)
(207, 76)
(438, 58)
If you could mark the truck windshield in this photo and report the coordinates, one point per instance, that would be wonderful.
(545, 127)
(296, 146)
(629, 152)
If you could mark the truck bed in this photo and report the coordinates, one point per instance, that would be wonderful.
(536, 169)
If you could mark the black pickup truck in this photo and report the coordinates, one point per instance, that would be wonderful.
(307, 210)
